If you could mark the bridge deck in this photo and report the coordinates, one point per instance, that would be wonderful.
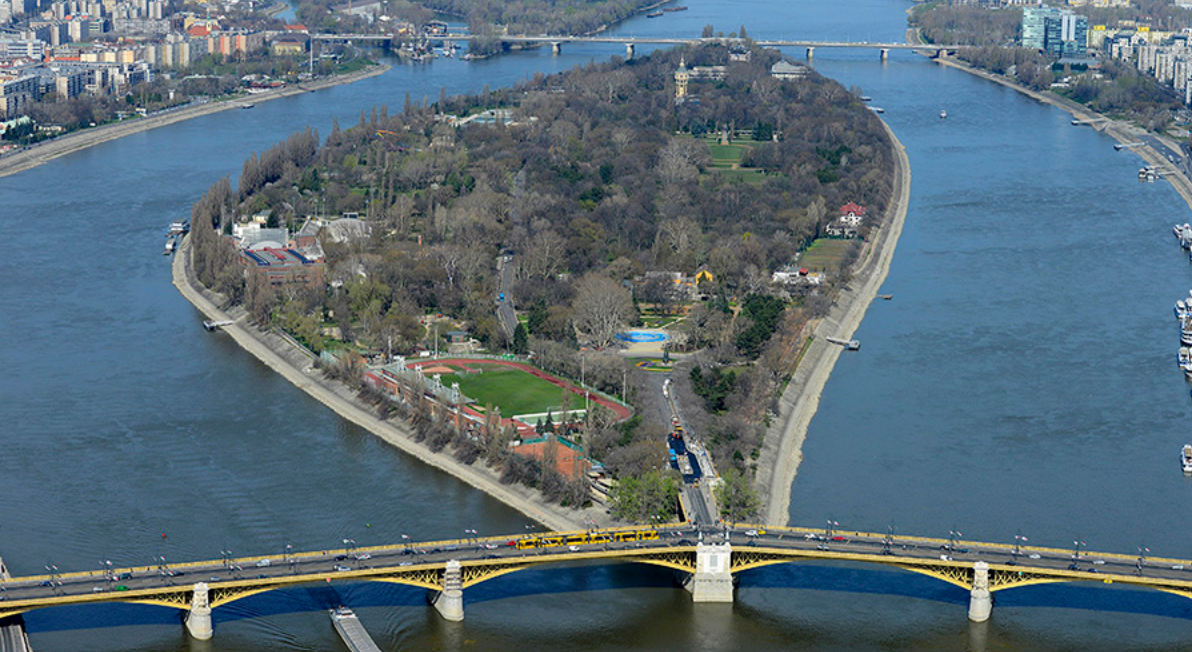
(674, 547)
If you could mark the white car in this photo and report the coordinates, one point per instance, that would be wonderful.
(750, 533)
(363, 556)
(1033, 555)
(573, 548)
(263, 563)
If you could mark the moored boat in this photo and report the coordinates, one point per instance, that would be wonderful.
(1186, 331)
(1186, 458)
(1181, 309)
(654, 14)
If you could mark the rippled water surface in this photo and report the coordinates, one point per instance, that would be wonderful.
(1021, 380)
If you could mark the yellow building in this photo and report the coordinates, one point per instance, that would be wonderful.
(682, 77)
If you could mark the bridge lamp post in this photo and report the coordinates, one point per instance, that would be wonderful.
(1076, 547)
(349, 545)
(953, 535)
(226, 555)
(1018, 541)
(1142, 553)
(829, 529)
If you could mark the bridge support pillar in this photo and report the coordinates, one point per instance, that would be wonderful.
(556, 47)
(885, 54)
(450, 601)
(980, 600)
(712, 581)
(629, 51)
(198, 619)
(810, 53)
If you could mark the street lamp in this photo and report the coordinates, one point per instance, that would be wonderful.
(226, 555)
(953, 535)
(1142, 553)
(1018, 541)
(829, 529)
(1076, 546)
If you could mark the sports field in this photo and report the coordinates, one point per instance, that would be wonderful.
(512, 390)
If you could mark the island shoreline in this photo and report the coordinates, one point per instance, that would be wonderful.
(77, 141)
(782, 449)
(296, 365)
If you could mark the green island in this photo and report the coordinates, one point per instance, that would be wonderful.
(464, 262)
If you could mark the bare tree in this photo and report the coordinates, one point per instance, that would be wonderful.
(602, 307)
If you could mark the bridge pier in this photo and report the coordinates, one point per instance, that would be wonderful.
(629, 51)
(980, 600)
(556, 47)
(810, 53)
(712, 581)
(198, 619)
(885, 54)
(450, 601)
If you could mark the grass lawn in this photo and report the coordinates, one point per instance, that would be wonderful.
(512, 390)
(748, 175)
(727, 155)
(823, 254)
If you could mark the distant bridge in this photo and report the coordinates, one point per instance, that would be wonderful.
(630, 42)
(705, 561)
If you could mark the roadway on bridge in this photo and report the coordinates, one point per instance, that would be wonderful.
(143, 583)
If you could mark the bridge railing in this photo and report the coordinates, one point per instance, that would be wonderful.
(983, 546)
(281, 557)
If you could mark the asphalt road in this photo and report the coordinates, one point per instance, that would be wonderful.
(357, 564)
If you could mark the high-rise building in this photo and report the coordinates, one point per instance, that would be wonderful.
(1058, 31)
(1034, 25)
(1074, 35)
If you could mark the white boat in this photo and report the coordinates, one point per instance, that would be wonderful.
(1186, 458)
(170, 244)
(943, 115)
(877, 109)
(1186, 331)
(1181, 309)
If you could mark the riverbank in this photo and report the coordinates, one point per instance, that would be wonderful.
(47, 151)
(1120, 131)
(296, 365)
(782, 449)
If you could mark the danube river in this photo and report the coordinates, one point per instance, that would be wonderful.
(1022, 380)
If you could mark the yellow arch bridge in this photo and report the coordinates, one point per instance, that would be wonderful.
(706, 562)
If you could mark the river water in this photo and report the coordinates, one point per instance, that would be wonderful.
(1029, 247)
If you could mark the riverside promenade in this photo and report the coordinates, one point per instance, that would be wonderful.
(297, 365)
(49, 150)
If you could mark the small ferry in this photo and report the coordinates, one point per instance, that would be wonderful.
(178, 227)
(171, 242)
(1186, 458)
